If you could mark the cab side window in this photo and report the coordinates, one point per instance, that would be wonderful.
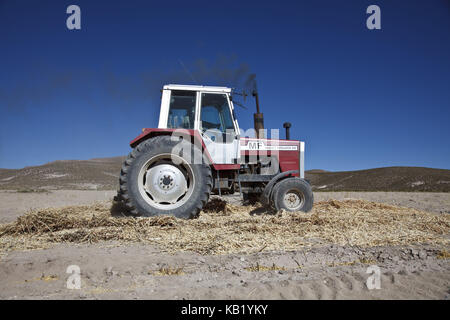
(182, 109)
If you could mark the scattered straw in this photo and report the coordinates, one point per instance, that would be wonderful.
(260, 268)
(167, 271)
(223, 228)
(443, 255)
(351, 263)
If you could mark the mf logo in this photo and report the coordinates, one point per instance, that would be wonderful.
(255, 145)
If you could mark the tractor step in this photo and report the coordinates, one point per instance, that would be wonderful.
(255, 178)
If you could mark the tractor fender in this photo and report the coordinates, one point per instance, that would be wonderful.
(187, 134)
(265, 197)
(148, 133)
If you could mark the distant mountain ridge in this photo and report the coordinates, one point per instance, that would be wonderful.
(103, 174)
(93, 174)
(382, 179)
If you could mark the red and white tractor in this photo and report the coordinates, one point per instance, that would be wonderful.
(198, 149)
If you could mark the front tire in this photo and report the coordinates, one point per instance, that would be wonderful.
(159, 178)
(293, 194)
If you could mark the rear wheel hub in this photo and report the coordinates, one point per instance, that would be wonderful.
(165, 185)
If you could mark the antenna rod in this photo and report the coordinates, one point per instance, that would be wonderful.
(187, 71)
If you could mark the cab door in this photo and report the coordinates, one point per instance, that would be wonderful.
(218, 127)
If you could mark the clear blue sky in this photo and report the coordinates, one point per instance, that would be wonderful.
(359, 98)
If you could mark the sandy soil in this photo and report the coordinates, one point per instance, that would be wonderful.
(135, 271)
(438, 202)
(131, 272)
(14, 204)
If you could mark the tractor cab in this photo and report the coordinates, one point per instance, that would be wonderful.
(208, 110)
(161, 175)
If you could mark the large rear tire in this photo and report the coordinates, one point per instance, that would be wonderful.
(293, 194)
(159, 178)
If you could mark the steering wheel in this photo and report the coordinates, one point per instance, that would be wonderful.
(209, 125)
(213, 134)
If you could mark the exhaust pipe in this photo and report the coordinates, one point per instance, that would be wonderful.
(287, 126)
(258, 118)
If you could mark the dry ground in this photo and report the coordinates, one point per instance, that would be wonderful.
(231, 251)
(438, 202)
(113, 271)
(14, 204)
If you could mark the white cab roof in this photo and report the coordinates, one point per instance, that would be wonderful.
(196, 88)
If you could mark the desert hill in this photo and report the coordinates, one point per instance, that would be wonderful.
(382, 179)
(95, 174)
(103, 174)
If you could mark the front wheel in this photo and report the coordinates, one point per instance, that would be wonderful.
(293, 194)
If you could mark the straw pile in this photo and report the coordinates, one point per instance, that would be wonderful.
(223, 228)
